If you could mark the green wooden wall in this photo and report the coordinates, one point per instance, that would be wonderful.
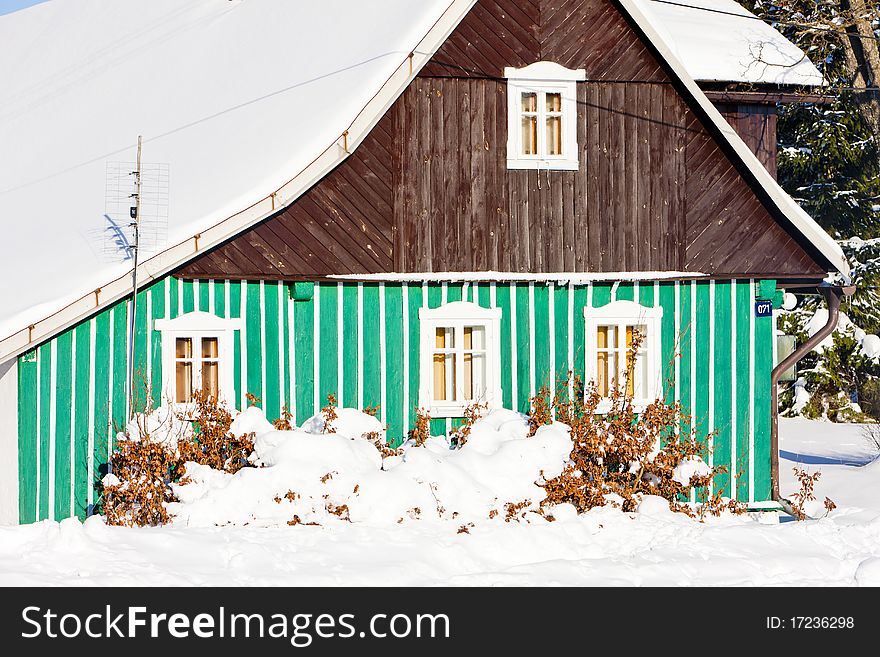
(360, 341)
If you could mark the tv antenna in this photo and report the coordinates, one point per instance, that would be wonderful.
(135, 224)
(135, 215)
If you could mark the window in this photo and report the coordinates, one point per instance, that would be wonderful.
(460, 357)
(196, 355)
(610, 332)
(542, 116)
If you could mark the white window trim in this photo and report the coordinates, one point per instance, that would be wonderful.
(621, 314)
(199, 325)
(457, 315)
(543, 78)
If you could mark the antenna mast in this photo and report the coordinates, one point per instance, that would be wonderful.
(135, 213)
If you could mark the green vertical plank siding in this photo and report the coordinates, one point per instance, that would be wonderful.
(327, 350)
(189, 297)
(272, 393)
(743, 398)
(350, 346)
(722, 386)
(560, 338)
(204, 295)
(287, 395)
(523, 347)
(415, 300)
(502, 298)
(220, 299)
(82, 368)
(173, 300)
(102, 395)
(254, 339)
(686, 329)
(237, 346)
(157, 300)
(45, 397)
(372, 352)
(303, 319)
(63, 397)
(669, 341)
(141, 381)
(543, 376)
(579, 333)
(764, 330)
(394, 363)
(27, 437)
(120, 374)
(81, 373)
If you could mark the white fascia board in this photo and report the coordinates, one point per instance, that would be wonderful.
(802, 221)
(167, 261)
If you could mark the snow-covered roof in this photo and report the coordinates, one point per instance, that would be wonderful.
(720, 40)
(250, 102)
(236, 96)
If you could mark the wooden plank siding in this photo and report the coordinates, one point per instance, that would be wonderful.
(70, 407)
(756, 124)
(429, 189)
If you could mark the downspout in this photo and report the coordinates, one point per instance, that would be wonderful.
(833, 295)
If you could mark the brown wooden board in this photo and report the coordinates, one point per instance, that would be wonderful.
(429, 189)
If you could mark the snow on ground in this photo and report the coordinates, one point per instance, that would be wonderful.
(603, 547)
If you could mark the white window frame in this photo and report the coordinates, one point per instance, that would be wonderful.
(622, 314)
(543, 78)
(196, 326)
(457, 315)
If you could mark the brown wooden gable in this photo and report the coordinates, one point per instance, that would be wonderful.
(429, 189)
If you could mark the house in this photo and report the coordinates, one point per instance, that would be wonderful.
(466, 202)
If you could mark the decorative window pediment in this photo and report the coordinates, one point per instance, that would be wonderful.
(542, 116)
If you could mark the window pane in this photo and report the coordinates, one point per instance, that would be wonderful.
(184, 382)
(445, 338)
(530, 135)
(444, 377)
(554, 102)
(530, 102)
(606, 372)
(475, 337)
(183, 348)
(209, 348)
(606, 337)
(210, 378)
(554, 135)
(474, 376)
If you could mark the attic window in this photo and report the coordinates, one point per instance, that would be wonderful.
(542, 116)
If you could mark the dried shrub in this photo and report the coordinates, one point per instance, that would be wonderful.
(372, 410)
(327, 477)
(386, 451)
(213, 444)
(513, 509)
(540, 410)
(807, 493)
(284, 423)
(329, 413)
(624, 453)
(466, 528)
(252, 399)
(144, 470)
(340, 511)
(471, 414)
(420, 433)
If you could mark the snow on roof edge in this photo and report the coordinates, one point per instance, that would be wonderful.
(799, 218)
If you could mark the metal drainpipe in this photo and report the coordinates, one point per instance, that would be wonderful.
(832, 296)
